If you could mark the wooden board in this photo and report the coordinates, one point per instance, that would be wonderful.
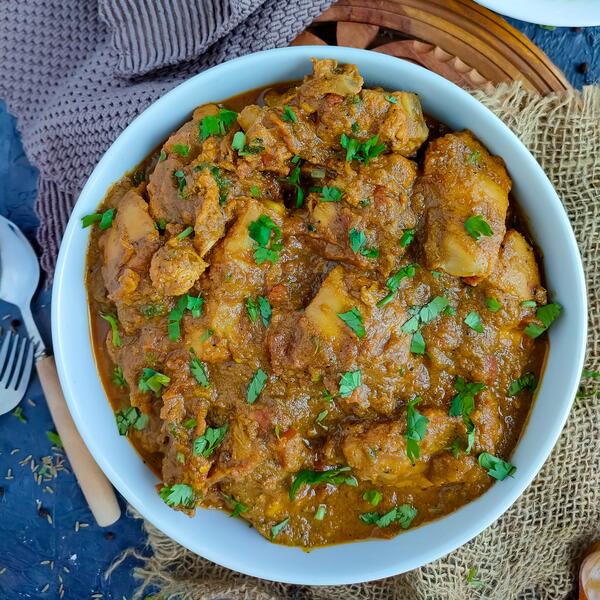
(458, 39)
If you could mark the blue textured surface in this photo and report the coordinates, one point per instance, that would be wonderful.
(28, 539)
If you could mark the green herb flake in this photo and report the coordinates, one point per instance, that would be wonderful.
(252, 309)
(373, 496)
(407, 237)
(105, 218)
(198, 370)
(473, 320)
(181, 457)
(493, 305)
(175, 316)
(265, 310)
(194, 305)
(529, 303)
(320, 512)
(185, 233)
(152, 380)
(289, 115)
(181, 182)
(217, 125)
(54, 439)
(393, 283)
(260, 231)
(349, 381)
(179, 494)
(130, 417)
(277, 529)
(206, 335)
(238, 507)
(18, 413)
(417, 343)
(354, 320)
(463, 405)
(496, 467)
(206, 444)
(362, 152)
(181, 149)
(320, 418)
(357, 241)
(222, 184)
(256, 386)
(331, 194)
(239, 140)
(471, 577)
(416, 427)
(548, 27)
(163, 156)
(476, 227)
(527, 382)
(392, 99)
(355, 127)
(190, 423)
(255, 191)
(547, 314)
(332, 476)
(114, 325)
(118, 378)
(294, 181)
(474, 157)
(404, 515)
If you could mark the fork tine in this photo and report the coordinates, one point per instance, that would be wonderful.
(9, 363)
(17, 370)
(4, 349)
(22, 385)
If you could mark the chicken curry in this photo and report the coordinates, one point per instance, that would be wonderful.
(317, 309)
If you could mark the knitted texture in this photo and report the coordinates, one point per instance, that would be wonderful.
(533, 551)
(75, 73)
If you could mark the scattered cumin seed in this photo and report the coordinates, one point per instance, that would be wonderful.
(2, 570)
(48, 489)
(31, 402)
(66, 569)
(9, 474)
(5, 317)
(60, 579)
(84, 525)
(76, 525)
(61, 590)
(25, 460)
(45, 588)
(97, 596)
(49, 519)
(52, 564)
(45, 562)
(15, 451)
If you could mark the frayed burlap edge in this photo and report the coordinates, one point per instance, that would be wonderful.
(532, 551)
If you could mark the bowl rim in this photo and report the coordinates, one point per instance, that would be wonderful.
(492, 504)
(560, 13)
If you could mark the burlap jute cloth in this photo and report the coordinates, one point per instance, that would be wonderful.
(533, 550)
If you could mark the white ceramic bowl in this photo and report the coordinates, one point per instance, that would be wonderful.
(560, 13)
(230, 542)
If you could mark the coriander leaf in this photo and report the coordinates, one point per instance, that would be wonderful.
(262, 255)
(18, 413)
(260, 231)
(238, 507)
(252, 309)
(198, 370)
(362, 152)
(105, 218)
(393, 283)
(185, 233)
(463, 405)
(476, 227)
(391, 99)
(527, 382)
(433, 309)
(179, 494)
(355, 127)
(294, 180)
(403, 515)
(331, 194)
(373, 496)
(474, 322)
(411, 325)
(332, 476)
(321, 511)
(289, 115)
(496, 467)
(529, 303)
(152, 380)
(163, 156)
(206, 443)
(416, 427)
(255, 191)
(175, 317)
(417, 343)
(227, 117)
(547, 314)
(256, 386)
(54, 439)
(493, 304)
(130, 417)
(321, 417)
(222, 184)
(592, 374)
(194, 305)
(354, 320)
(265, 310)
(181, 149)
(206, 335)
(217, 125)
(277, 529)
(357, 240)
(239, 140)
(190, 423)
(114, 325)
(471, 577)
(118, 377)
(455, 447)
(474, 157)
(407, 237)
(349, 381)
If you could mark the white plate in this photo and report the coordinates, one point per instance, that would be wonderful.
(560, 13)
(231, 542)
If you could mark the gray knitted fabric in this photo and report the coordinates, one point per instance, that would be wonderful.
(75, 73)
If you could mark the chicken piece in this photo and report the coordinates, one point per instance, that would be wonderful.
(489, 425)
(209, 226)
(176, 267)
(127, 247)
(377, 452)
(462, 181)
(516, 270)
(446, 469)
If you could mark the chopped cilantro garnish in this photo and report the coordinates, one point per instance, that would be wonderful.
(54, 438)
(331, 194)
(473, 320)
(393, 283)
(206, 335)
(198, 370)
(289, 115)
(407, 237)
(217, 124)
(190, 423)
(118, 378)
(206, 443)
(496, 467)
(362, 152)
(256, 386)
(294, 180)
(354, 320)
(332, 476)
(357, 241)
(392, 99)
(260, 231)
(163, 156)
(373, 496)
(238, 507)
(18, 413)
(181, 182)
(114, 325)
(222, 184)
(529, 303)
(239, 143)
(527, 382)
(181, 149)
(130, 417)
(105, 218)
(547, 314)
(349, 381)
(320, 512)
(474, 157)
(493, 304)
(152, 380)
(471, 577)
(463, 405)
(355, 127)
(255, 191)
(265, 310)
(179, 494)
(194, 305)
(476, 227)
(321, 417)
(277, 529)
(185, 233)
(252, 309)
(175, 317)
(416, 427)
(404, 515)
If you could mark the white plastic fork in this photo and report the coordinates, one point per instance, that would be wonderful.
(16, 360)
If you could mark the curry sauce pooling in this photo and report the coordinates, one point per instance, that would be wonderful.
(319, 314)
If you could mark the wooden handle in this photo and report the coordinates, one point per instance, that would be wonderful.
(95, 486)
